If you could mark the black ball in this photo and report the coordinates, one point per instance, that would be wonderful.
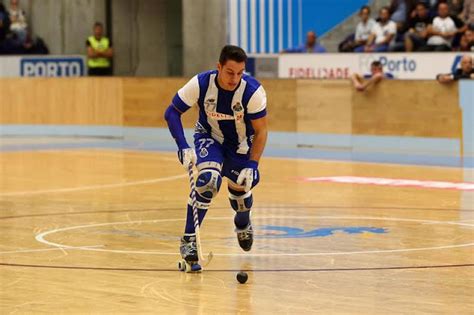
(242, 277)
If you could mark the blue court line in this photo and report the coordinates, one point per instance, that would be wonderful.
(377, 149)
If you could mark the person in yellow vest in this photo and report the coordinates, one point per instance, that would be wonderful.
(99, 52)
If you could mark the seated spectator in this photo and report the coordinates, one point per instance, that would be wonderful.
(465, 72)
(382, 34)
(467, 14)
(311, 45)
(417, 34)
(361, 83)
(363, 29)
(442, 31)
(4, 23)
(467, 41)
(455, 6)
(18, 25)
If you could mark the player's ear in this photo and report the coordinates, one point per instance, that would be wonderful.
(219, 66)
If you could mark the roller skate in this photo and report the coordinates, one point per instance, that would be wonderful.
(188, 250)
(245, 237)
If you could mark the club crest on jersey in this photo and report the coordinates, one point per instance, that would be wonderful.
(238, 111)
(210, 104)
(203, 153)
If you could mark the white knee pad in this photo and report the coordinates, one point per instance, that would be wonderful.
(241, 203)
(208, 183)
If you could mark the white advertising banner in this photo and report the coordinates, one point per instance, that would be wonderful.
(42, 66)
(423, 66)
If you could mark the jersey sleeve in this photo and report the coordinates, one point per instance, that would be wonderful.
(187, 96)
(392, 28)
(257, 106)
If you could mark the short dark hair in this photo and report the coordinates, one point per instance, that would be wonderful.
(364, 7)
(231, 52)
(376, 63)
(424, 4)
(98, 24)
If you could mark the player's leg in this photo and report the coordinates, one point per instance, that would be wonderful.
(208, 182)
(241, 202)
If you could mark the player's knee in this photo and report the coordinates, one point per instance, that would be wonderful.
(240, 201)
(208, 183)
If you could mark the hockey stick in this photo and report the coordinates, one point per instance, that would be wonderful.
(204, 261)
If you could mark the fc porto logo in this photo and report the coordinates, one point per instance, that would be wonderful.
(210, 104)
(238, 111)
(203, 153)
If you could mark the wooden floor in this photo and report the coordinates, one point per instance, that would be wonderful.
(96, 231)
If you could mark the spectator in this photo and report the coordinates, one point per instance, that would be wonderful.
(361, 83)
(465, 72)
(18, 26)
(311, 45)
(417, 33)
(442, 31)
(455, 6)
(99, 52)
(467, 41)
(382, 34)
(363, 29)
(4, 23)
(467, 14)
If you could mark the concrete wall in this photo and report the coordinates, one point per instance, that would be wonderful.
(64, 24)
(148, 35)
(204, 34)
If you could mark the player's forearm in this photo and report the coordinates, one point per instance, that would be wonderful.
(108, 53)
(173, 118)
(356, 79)
(258, 145)
(387, 39)
(370, 40)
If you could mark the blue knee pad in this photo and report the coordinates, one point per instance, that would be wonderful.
(241, 203)
(208, 183)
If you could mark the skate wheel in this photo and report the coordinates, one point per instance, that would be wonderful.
(181, 265)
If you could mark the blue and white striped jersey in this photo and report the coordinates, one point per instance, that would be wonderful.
(225, 115)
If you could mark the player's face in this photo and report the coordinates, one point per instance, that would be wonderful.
(443, 10)
(375, 69)
(364, 15)
(98, 31)
(230, 74)
(384, 15)
(421, 10)
(466, 64)
(311, 39)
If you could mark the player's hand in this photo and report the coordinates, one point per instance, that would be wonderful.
(248, 175)
(187, 156)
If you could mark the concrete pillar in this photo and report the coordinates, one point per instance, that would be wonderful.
(45, 18)
(147, 37)
(204, 34)
(64, 24)
(78, 18)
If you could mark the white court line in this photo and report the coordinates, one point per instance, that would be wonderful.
(41, 237)
(83, 188)
(19, 251)
(113, 154)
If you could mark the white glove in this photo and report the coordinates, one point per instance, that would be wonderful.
(187, 156)
(249, 176)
